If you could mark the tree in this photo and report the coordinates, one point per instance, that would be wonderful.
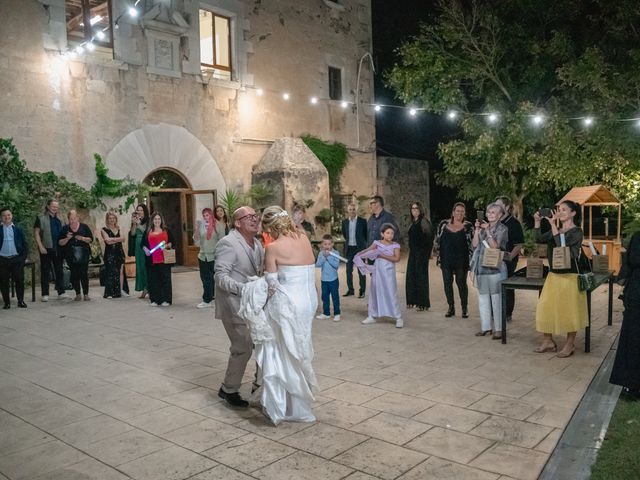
(520, 59)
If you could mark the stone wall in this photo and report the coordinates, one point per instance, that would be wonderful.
(402, 181)
(60, 110)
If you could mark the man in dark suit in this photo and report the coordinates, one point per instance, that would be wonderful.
(354, 229)
(13, 253)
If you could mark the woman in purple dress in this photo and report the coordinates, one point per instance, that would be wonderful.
(383, 296)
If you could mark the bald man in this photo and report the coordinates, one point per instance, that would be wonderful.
(238, 256)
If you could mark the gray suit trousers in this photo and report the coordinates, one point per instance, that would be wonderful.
(241, 348)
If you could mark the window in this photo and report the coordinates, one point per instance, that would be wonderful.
(335, 83)
(89, 21)
(215, 43)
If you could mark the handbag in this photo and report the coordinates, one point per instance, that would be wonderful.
(169, 256)
(492, 257)
(78, 255)
(586, 281)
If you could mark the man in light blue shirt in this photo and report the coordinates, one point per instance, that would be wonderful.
(13, 253)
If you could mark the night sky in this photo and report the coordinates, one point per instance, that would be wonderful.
(397, 133)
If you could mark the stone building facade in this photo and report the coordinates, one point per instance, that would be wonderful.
(152, 91)
(402, 181)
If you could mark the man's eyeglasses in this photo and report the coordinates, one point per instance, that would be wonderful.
(252, 216)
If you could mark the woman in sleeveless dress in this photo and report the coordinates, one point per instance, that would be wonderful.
(288, 380)
(115, 280)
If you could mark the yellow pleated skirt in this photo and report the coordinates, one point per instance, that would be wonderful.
(561, 308)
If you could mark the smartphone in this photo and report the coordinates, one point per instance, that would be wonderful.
(480, 215)
(545, 212)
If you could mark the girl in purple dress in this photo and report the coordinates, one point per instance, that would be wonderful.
(383, 296)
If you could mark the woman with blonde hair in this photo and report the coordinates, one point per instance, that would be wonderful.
(115, 280)
(288, 378)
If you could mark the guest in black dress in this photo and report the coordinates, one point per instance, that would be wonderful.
(626, 368)
(75, 240)
(114, 280)
(420, 246)
(453, 243)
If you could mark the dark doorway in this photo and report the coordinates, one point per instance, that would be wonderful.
(180, 207)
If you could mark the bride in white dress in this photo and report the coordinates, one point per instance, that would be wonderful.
(285, 352)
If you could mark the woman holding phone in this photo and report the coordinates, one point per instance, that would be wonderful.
(453, 247)
(489, 234)
(562, 307)
(139, 223)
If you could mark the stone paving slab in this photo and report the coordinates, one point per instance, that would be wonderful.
(115, 389)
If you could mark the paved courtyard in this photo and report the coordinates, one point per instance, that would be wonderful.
(115, 389)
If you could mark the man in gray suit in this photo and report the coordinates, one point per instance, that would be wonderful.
(238, 256)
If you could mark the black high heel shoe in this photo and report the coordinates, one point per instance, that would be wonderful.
(451, 312)
(482, 333)
(465, 313)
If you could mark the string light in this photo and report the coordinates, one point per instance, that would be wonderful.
(452, 115)
(537, 120)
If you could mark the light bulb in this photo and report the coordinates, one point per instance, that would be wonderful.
(537, 120)
(413, 112)
(286, 96)
(452, 115)
(377, 108)
(91, 47)
(79, 50)
(133, 12)
(259, 92)
(100, 35)
(344, 104)
(587, 121)
(314, 100)
(493, 117)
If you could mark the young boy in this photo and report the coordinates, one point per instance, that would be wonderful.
(328, 264)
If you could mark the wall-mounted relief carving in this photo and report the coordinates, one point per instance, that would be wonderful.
(163, 27)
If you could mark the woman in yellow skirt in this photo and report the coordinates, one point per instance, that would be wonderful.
(562, 307)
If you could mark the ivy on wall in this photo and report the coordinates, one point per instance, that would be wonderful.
(333, 156)
(26, 192)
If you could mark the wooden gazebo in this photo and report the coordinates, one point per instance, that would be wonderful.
(598, 196)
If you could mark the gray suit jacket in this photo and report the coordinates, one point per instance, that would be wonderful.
(234, 264)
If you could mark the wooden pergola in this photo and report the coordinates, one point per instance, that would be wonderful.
(598, 196)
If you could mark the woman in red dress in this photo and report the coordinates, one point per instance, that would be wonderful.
(158, 272)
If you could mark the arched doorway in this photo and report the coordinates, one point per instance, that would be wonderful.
(180, 206)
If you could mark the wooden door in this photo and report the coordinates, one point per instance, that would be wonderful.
(191, 204)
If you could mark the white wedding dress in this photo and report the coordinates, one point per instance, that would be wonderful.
(281, 331)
